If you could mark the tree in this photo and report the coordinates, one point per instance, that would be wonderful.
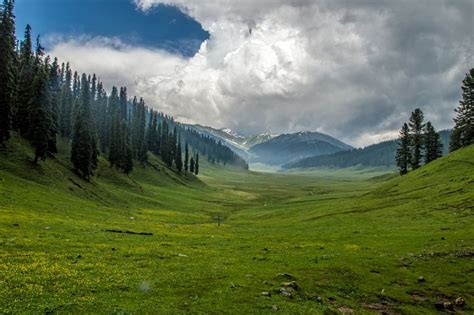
(186, 158)
(24, 91)
(416, 133)
(54, 99)
(403, 155)
(196, 165)
(66, 103)
(7, 69)
(463, 133)
(179, 157)
(191, 165)
(39, 105)
(432, 143)
(83, 149)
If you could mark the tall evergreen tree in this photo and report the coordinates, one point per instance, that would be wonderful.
(83, 148)
(403, 155)
(115, 129)
(66, 103)
(7, 68)
(54, 97)
(179, 156)
(191, 165)
(416, 133)
(123, 103)
(186, 158)
(25, 77)
(432, 143)
(126, 156)
(196, 165)
(463, 133)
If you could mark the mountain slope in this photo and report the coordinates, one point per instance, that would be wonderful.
(291, 147)
(380, 154)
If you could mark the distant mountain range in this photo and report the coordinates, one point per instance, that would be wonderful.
(287, 148)
(275, 150)
(307, 149)
(376, 155)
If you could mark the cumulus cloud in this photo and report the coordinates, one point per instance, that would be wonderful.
(353, 69)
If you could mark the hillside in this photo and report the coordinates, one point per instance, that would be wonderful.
(376, 155)
(286, 148)
(68, 245)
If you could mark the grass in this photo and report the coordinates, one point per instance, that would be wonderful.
(352, 241)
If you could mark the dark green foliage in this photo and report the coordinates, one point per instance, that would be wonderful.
(25, 77)
(41, 121)
(123, 103)
(54, 99)
(432, 143)
(179, 157)
(66, 103)
(403, 156)
(191, 165)
(196, 165)
(7, 68)
(463, 134)
(186, 158)
(416, 135)
(83, 149)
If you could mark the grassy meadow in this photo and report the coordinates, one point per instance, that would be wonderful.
(352, 241)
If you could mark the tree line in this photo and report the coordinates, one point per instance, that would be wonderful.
(42, 99)
(419, 141)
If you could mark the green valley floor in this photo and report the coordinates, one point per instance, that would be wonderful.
(318, 243)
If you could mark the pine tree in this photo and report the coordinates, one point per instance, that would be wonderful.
(114, 126)
(403, 155)
(66, 103)
(83, 148)
(463, 133)
(191, 165)
(196, 165)
(54, 95)
(186, 158)
(7, 69)
(126, 156)
(416, 133)
(25, 77)
(432, 143)
(39, 105)
(179, 157)
(123, 103)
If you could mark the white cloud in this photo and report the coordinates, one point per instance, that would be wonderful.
(353, 69)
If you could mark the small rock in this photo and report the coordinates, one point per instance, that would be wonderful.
(285, 292)
(266, 293)
(286, 275)
(459, 301)
(345, 310)
(47, 228)
(421, 279)
(182, 255)
(293, 285)
(319, 299)
(275, 308)
(132, 218)
(448, 306)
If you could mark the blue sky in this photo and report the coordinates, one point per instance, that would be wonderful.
(163, 27)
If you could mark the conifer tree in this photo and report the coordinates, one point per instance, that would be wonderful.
(432, 143)
(403, 156)
(191, 165)
(54, 97)
(463, 133)
(179, 157)
(416, 134)
(186, 158)
(196, 165)
(115, 129)
(25, 77)
(41, 121)
(126, 155)
(7, 69)
(66, 103)
(123, 103)
(83, 148)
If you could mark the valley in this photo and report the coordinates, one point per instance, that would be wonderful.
(362, 242)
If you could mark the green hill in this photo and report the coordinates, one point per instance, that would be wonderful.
(385, 244)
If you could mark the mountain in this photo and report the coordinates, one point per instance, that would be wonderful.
(287, 148)
(238, 143)
(380, 154)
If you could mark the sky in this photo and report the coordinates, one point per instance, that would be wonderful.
(354, 69)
